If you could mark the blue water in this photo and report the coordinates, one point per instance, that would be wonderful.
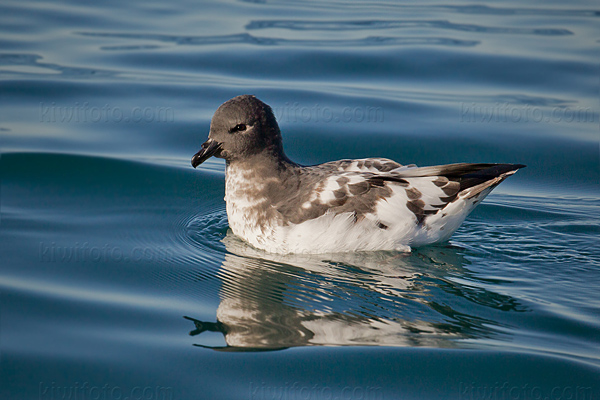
(119, 278)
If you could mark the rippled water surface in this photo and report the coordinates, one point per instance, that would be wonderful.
(120, 279)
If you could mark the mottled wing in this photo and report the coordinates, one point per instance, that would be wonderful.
(334, 192)
(361, 186)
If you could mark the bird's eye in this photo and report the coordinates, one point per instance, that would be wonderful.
(238, 128)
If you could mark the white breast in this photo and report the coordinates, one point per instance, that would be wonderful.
(248, 213)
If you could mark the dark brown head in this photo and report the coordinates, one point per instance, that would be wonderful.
(240, 128)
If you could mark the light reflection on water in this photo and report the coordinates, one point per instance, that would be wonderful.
(380, 299)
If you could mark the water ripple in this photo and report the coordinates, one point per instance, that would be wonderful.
(353, 25)
(33, 60)
(246, 38)
(443, 9)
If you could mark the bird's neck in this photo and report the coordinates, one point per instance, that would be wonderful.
(262, 166)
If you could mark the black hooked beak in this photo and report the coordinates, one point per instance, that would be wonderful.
(209, 149)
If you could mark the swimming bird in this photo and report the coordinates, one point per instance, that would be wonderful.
(366, 204)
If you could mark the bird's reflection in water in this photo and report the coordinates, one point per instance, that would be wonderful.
(426, 298)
